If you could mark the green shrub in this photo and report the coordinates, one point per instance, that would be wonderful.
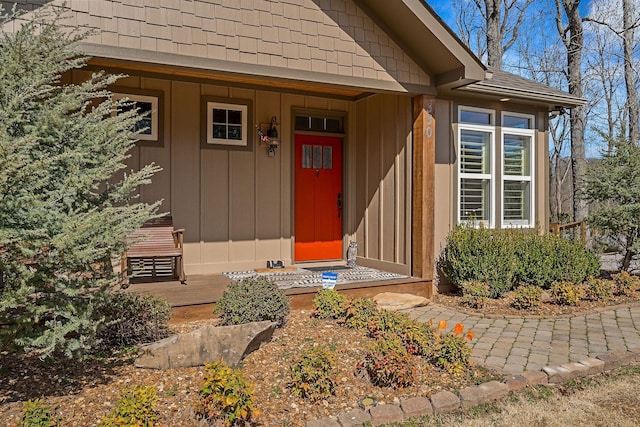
(505, 258)
(312, 374)
(225, 396)
(599, 289)
(135, 407)
(133, 319)
(452, 352)
(626, 284)
(475, 294)
(388, 363)
(480, 255)
(253, 300)
(359, 312)
(527, 297)
(330, 304)
(418, 338)
(566, 293)
(385, 322)
(36, 413)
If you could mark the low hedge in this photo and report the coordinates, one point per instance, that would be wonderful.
(506, 258)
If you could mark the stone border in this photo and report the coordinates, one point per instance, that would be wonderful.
(489, 392)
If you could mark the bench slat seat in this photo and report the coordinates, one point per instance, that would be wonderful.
(156, 239)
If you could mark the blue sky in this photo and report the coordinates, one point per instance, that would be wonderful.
(445, 9)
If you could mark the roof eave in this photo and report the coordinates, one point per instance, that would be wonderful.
(551, 99)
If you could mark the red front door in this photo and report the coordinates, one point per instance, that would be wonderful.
(318, 198)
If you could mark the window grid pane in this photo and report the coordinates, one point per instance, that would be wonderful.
(474, 152)
(327, 160)
(516, 155)
(474, 199)
(307, 155)
(516, 201)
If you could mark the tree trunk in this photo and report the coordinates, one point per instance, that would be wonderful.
(494, 33)
(573, 38)
(632, 91)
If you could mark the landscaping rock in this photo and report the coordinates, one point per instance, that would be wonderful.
(483, 393)
(325, 422)
(444, 401)
(383, 414)
(205, 345)
(416, 407)
(516, 382)
(392, 301)
(536, 377)
(557, 374)
(616, 359)
(354, 418)
(594, 366)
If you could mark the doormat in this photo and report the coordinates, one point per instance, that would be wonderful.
(306, 278)
(328, 268)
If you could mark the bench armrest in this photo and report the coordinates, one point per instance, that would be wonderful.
(178, 237)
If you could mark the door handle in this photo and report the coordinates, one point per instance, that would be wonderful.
(339, 205)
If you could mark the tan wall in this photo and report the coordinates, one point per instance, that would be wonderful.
(237, 206)
(382, 180)
(334, 37)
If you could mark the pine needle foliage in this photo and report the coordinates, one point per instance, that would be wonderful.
(66, 203)
(613, 184)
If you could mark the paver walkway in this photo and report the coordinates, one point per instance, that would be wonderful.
(515, 344)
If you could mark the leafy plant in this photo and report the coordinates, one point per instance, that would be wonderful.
(599, 289)
(612, 183)
(388, 363)
(36, 413)
(626, 284)
(474, 294)
(566, 293)
(135, 407)
(66, 205)
(330, 304)
(452, 351)
(225, 396)
(359, 312)
(312, 374)
(527, 297)
(418, 338)
(505, 258)
(133, 319)
(482, 255)
(252, 300)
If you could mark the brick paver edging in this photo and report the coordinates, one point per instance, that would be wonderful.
(445, 401)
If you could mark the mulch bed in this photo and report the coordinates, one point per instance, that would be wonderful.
(84, 392)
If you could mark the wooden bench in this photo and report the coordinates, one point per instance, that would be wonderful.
(156, 239)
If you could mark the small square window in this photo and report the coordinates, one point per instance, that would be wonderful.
(147, 107)
(226, 123)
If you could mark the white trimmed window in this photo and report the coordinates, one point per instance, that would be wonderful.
(475, 165)
(517, 199)
(490, 163)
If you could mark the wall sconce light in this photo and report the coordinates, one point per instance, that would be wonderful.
(270, 137)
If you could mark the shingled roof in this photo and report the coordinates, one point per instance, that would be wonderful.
(508, 85)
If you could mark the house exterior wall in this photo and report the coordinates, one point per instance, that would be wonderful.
(325, 36)
(237, 206)
(383, 181)
(446, 167)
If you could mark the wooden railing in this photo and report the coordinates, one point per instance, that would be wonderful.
(559, 229)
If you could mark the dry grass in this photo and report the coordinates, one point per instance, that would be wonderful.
(611, 400)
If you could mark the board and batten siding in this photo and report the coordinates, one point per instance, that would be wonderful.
(382, 180)
(237, 206)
